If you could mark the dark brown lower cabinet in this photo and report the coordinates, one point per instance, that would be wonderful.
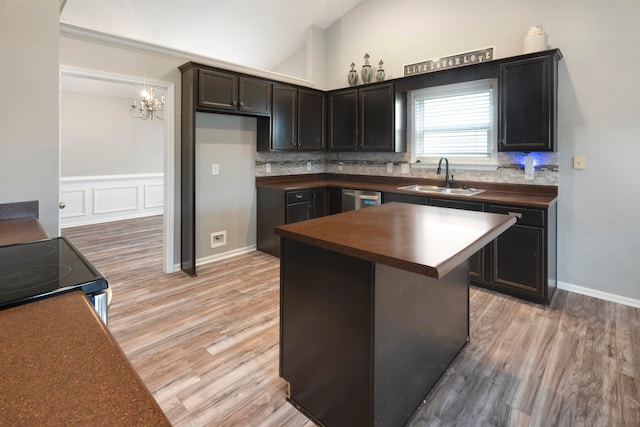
(522, 261)
(523, 258)
(278, 207)
(299, 206)
(517, 260)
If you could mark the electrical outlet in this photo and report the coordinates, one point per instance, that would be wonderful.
(219, 238)
(340, 166)
(390, 167)
(215, 169)
(308, 166)
(268, 167)
(404, 168)
(579, 162)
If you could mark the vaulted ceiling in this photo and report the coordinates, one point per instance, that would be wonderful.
(254, 33)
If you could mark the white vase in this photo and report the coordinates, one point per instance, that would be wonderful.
(535, 40)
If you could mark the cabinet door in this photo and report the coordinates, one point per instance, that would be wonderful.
(518, 254)
(298, 212)
(283, 118)
(254, 96)
(477, 260)
(377, 130)
(334, 198)
(320, 202)
(311, 120)
(218, 90)
(343, 120)
(526, 100)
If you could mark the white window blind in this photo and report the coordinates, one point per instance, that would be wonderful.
(456, 121)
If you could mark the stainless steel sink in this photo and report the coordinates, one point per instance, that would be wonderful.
(442, 190)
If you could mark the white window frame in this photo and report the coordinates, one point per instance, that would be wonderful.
(489, 163)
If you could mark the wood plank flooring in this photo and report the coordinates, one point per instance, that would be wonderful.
(207, 347)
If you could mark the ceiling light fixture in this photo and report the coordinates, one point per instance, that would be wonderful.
(149, 105)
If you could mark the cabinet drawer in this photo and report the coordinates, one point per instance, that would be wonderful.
(298, 196)
(525, 216)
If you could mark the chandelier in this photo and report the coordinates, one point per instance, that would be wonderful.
(148, 105)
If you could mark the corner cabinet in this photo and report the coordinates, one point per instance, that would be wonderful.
(365, 119)
(528, 102)
(297, 120)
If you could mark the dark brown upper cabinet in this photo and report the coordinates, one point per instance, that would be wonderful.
(311, 120)
(233, 93)
(363, 119)
(343, 120)
(297, 120)
(528, 103)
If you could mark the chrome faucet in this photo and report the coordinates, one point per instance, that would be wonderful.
(447, 181)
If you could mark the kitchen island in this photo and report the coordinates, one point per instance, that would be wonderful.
(375, 307)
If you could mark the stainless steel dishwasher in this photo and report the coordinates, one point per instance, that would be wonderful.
(352, 200)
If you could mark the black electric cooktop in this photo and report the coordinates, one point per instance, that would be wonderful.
(44, 268)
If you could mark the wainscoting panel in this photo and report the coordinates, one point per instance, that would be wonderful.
(97, 199)
(153, 196)
(75, 203)
(115, 199)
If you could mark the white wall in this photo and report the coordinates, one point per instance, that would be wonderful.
(99, 137)
(29, 158)
(599, 106)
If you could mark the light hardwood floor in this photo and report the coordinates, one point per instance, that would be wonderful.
(207, 347)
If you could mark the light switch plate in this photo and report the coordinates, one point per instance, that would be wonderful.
(579, 162)
(268, 167)
(215, 169)
(390, 167)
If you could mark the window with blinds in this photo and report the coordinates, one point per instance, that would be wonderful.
(455, 121)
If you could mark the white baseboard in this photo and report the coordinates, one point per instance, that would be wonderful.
(219, 257)
(599, 294)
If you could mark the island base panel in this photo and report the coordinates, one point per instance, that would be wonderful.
(363, 344)
(421, 325)
(326, 336)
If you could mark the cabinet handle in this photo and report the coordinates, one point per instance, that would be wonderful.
(516, 214)
(234, 103)
(298, 196)
(241, 104)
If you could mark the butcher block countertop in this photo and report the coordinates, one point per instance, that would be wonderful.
(422, 239)
(520, 194)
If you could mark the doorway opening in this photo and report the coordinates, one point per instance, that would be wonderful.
(113, 197)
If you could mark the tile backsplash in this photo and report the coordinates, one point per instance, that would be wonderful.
(510, 169)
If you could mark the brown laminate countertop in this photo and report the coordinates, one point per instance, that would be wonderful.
(422, 239)
(61, 366)
(20, 230)
(519, 194)
(59, 363)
